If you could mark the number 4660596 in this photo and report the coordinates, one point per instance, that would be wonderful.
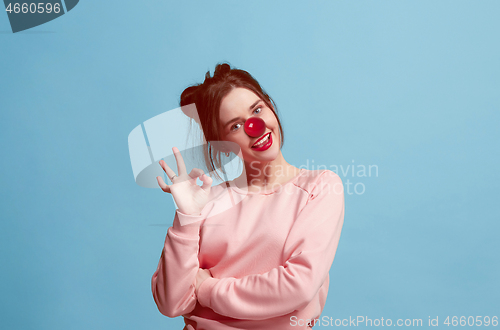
(33, 8)
(471, 321)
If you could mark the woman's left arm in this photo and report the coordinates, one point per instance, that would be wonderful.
(309, 252)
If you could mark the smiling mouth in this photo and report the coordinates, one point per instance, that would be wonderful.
(263, 140)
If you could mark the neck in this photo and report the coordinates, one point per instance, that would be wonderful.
(263, 175)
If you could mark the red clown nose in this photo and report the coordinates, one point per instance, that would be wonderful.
(255, 126)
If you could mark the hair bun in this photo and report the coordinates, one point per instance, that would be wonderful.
(196, 93)
(188, 97)
(222, 69)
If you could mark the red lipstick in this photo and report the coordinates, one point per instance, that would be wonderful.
(266, 145)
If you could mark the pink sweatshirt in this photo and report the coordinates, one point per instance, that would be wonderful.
(269, 253)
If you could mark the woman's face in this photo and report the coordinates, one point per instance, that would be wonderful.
(236, 107)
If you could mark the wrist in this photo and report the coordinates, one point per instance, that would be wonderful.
(187, 224)
(205, 291)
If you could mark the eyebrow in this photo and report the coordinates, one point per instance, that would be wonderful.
(250, 108)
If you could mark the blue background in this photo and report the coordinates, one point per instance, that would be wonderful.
(409, 86)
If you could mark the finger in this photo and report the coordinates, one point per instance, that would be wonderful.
(163, 185)
(181, 167)
(167, 169)
(207, 182)
(195, 173)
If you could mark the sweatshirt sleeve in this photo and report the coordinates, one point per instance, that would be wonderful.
(309, 252)
(173, 282)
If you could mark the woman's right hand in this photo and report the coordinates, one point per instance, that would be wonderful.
(188, 195)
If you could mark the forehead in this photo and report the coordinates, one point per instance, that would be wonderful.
(237, 101)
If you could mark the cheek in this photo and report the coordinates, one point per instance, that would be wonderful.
(238, 138)
(269, 118)
(272, 121)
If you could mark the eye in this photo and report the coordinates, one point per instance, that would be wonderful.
(233, 128)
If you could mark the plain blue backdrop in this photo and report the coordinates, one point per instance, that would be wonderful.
(411, 87)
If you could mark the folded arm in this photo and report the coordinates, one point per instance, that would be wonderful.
(309, 252)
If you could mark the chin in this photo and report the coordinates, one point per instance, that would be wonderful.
(264, 156)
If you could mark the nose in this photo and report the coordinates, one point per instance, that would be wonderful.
(255, 126)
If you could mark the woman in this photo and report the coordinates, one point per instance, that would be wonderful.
(262, 262)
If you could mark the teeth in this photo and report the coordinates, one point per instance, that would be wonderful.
(263, 141)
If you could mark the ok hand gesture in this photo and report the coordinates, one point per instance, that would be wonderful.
(188, 195)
